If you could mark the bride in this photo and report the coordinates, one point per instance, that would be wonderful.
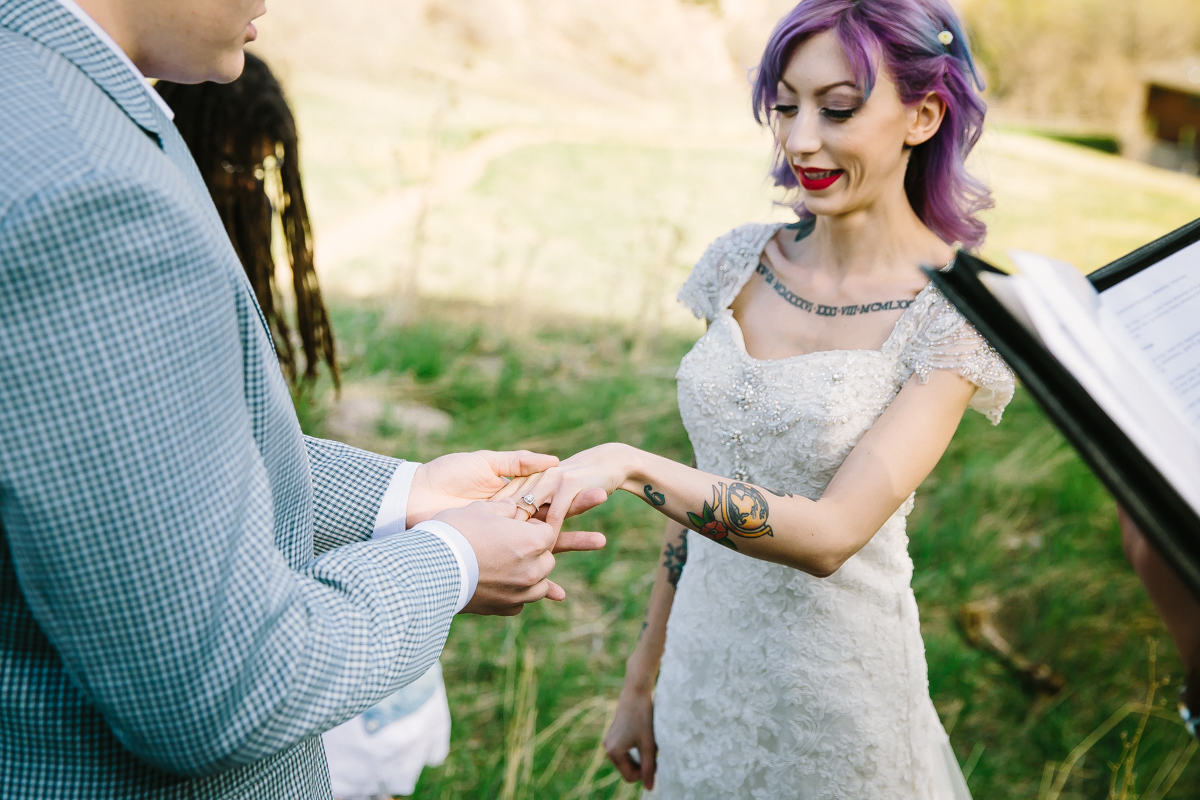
(829, 383)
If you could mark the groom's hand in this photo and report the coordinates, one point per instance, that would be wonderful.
(459, 479)
(515, 557)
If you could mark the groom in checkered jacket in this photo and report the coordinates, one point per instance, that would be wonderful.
(191, 591)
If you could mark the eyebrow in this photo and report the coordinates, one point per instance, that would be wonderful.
(823, 89)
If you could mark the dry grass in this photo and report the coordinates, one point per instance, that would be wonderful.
(545, 192)
(1010, 514)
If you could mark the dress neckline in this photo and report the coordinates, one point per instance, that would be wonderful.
(748, 272)
(740, 337)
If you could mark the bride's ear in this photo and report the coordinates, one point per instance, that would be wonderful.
(925, 119)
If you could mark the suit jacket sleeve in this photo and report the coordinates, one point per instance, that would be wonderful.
(341, 516)
(138, 510)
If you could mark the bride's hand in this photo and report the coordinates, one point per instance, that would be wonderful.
(575, 482)
(633, 726)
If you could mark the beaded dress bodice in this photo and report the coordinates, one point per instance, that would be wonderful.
(775, 683)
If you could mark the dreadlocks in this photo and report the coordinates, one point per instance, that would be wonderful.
(243, 137)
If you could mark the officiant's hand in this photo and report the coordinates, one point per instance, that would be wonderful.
(459, 479)
(515, 555)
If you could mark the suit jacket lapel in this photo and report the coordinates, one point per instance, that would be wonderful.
(49, 24)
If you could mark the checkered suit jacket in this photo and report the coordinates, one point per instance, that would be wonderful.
(188, 595)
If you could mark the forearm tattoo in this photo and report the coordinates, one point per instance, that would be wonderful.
(674, 557)
(735, 508)
(656, 498)
(820, 309)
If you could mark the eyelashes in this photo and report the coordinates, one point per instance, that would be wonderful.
(839, 114)
(832, 114)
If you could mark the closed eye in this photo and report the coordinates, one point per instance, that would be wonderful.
(785, 111)
(839, 114)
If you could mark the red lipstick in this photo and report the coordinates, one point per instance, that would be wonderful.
(814, 180)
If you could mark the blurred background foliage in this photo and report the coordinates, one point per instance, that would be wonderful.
(1077, 64)
(506, 195)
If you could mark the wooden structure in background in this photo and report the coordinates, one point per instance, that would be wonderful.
(1172, 116)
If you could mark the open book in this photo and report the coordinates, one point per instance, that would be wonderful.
(1114, 359)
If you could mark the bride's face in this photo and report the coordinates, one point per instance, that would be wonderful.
(847, 152)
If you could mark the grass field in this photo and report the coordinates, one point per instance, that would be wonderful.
(1010, 513)
(545, 233)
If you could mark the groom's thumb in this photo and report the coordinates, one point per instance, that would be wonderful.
(518, 463)
(506, 508)
(490, 508)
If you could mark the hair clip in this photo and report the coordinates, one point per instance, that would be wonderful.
(946, 38)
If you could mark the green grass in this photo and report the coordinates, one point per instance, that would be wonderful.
(1009, 513)
(1096, 141)
(600, 222)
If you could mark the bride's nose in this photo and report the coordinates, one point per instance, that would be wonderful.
(803, 137)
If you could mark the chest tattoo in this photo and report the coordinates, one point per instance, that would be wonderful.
(820, 309)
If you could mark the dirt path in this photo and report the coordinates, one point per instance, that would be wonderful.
(362, 230)
(359, 232)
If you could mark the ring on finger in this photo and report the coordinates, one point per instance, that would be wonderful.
(528, 503)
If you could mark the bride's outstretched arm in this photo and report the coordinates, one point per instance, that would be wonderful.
(815, 536)
(633, 722)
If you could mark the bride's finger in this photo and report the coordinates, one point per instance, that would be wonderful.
(565, 497)
(647, 751)
(547, 489)
(513, 487)
(584, 501)
(536, 491)
(625, 765)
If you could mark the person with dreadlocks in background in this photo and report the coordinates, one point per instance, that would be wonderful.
(243, 137)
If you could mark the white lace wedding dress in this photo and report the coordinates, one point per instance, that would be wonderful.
(776, 684)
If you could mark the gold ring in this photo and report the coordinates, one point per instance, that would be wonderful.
(528, 504)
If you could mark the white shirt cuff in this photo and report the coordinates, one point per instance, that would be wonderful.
(394, 505)
(392, 518)
(464, 554)
(468, 564)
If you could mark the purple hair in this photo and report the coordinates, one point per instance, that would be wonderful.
(905, 34)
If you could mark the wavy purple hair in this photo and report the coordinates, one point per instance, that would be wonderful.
(904, 33)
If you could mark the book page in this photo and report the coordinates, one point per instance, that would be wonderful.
(1160, 308)
(1066, 313)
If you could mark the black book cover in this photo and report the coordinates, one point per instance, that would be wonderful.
(1164, 516)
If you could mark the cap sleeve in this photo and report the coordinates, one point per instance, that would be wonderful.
(943, 339)
(723, 270)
